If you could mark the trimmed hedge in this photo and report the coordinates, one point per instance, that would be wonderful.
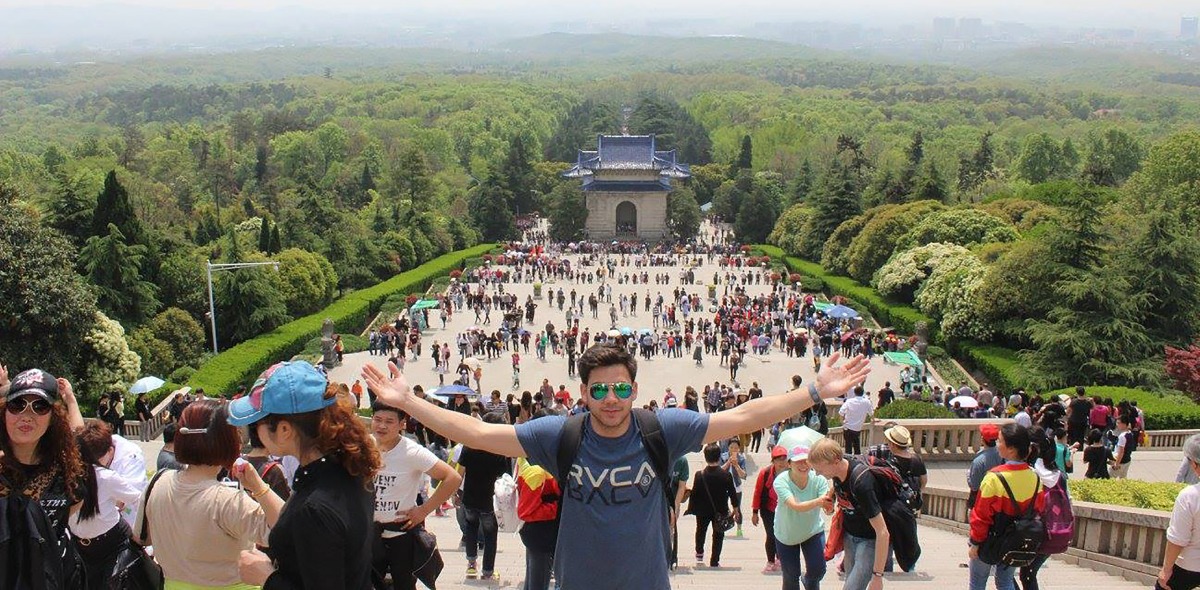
(1163, 411)
(907, 409)
(1126, 492)
(997, 363)
(242, 363)
(899, 316)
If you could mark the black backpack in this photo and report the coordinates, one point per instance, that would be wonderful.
(652, 439)
(1014, 540)
(895, 482)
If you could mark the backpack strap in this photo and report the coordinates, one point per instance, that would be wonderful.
(656, 447)
(1037, 487)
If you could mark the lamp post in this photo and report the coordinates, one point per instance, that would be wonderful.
(212, 307)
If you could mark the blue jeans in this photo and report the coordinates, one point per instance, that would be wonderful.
(537, 569)
(481, 526)
(860, 562)
(813, 551)
(980, 572)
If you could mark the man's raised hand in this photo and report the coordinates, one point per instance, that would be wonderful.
(391, 391)
(833, 381)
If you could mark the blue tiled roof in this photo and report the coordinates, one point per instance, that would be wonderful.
(627, 186)
(627, 152)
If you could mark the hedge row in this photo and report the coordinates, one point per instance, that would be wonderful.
(996, 362)
(901, 317)
(242, 363)
(1163, 411)
(1126, 492)
(907, 409)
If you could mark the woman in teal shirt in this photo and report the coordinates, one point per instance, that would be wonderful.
(799, 529)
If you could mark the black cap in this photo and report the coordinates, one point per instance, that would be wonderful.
(33, 382)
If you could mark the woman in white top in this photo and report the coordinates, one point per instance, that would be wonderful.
(1181, 562)
(97, 530)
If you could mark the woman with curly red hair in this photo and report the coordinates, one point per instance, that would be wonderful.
(41, 481)
(323, 537)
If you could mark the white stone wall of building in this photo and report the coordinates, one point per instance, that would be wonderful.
(651, 214)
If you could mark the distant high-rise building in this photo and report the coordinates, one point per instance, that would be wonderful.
(970, 28)
(1189, 27)
(943, 28)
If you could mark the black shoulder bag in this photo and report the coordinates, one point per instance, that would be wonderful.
(136, 570)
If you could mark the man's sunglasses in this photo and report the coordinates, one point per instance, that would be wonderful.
(40, 407)
(622, 389)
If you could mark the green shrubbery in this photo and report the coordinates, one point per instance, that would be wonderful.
(242, 363)
(906, 409)
(1126, 492)
(999, 364)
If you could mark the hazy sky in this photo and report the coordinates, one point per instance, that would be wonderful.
(1162, 14)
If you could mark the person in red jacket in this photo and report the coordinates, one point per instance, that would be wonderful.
(537, 507)
(765, 500)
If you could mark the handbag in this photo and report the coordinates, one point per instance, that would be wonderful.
(722, 521)
(135, 569)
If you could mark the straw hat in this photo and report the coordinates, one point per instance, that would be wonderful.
(898, 435)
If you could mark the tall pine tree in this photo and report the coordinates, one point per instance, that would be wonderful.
(1163, 265)
(834, 201)
(113, 207)
(745, 160)
(113, 269)
(264, 236)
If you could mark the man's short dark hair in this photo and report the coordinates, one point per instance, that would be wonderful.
(606, 355)
(169, 433)
(712, 453)
(796, 381)
(382, 407)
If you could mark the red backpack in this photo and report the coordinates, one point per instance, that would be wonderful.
(1058, 518)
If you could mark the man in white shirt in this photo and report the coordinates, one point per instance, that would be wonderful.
(404, 465)
(1022, 417)
(130, 463)
(855, 413)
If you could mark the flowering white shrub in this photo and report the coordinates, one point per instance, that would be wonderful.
(111, 366)
(948, 293)
(901, 276)
(966, 227)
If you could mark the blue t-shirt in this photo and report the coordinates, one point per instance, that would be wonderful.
(613, 507)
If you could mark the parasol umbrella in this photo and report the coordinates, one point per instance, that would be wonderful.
(614, 333)
(841, 312)
(645, 331)
(447, 392)
(472, 362)
(146, 385)
(626, 331)
(965, 401)
(800, 436)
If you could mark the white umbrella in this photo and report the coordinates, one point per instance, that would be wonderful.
(146, 385)
(613, 333)
(965, 401)
(472, 362)
(800, 436)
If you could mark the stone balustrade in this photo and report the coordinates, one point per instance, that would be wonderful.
(1167, 440)
(1124, 541)
(953, 439)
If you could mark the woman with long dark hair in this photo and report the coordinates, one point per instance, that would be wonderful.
(1045, 464)
(41, 479)
(1018, 448)
(323, 537)
(97, 529)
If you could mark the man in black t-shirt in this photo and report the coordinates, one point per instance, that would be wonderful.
(1078, 412)
(865, 532)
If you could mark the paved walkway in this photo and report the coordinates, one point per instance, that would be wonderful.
(772, 371)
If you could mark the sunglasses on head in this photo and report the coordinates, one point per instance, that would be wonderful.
(622, 389)
(19, 405)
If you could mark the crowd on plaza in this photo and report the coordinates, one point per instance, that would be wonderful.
(286, 487)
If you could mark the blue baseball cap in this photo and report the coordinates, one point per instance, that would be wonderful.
(284, 388)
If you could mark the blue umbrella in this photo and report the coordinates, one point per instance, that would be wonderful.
(447, 392)
(645, 331)
(626, 331)
(841, 312)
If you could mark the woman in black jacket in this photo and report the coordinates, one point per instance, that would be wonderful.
(323, 536)
(712, 497)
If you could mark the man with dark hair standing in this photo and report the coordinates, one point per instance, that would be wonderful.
(613, 495)
(1078, 412)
